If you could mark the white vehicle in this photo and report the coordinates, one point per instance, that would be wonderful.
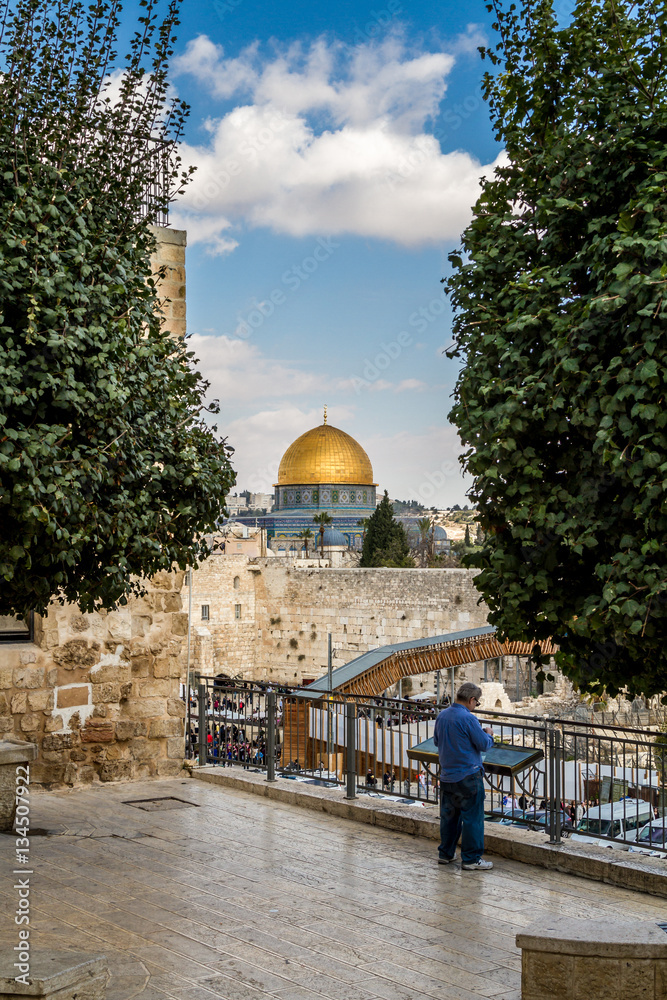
(652, 839)
(619, 820)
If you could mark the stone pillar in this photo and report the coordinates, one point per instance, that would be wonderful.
(170, 255)
(568, 959)
(14, 753)
(60, 975)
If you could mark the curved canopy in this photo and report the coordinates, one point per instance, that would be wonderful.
(373, 672)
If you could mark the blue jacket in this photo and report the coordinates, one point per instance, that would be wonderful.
(461, 741)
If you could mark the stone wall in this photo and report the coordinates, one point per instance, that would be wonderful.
(171, 256)
(99, 693)
(287, 609)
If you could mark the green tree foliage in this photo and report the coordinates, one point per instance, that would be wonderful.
(561, 317)
(466, 540)
(107, 469)
(385, 542)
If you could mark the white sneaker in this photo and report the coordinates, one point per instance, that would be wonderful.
(478, 866)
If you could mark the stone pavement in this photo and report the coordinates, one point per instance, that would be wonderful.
(244, 898)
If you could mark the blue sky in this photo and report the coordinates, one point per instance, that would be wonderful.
(338, 149)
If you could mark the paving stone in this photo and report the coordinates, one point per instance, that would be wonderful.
(247, 898)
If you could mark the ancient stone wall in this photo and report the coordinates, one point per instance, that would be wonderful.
(170, 255)
(99, 693)
(288, 609)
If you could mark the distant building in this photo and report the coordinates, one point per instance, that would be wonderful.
(261, 501)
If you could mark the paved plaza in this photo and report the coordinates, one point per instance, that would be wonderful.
(243, 898)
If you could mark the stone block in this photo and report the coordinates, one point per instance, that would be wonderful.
(141, 665)
(53, 724)
(4, 704)
(105, 693)
(40, 701)
(69, 697)
(176, 747)
(614, 979)
(143, 749)
(175, 707)
(29, 677)
(161, 688)
(126, 729)
(42, 773)
(60, 741)
(179, 623)
(547, 975)
(28, 656)
(6, 724)
(6, 677)
(169, 768)
(118, 770)
(145, 708)
(172, 602)
(162, 666)
(77, 653)
(165, 727)
(61, 975)
(119, 627)
(79, 623)
(140, 625)
(31, 722)
(97, 731)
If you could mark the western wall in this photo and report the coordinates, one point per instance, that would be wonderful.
(268, 618)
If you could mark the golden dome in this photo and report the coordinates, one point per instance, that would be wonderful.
(325, 455)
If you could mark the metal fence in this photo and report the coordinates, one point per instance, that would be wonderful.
(598, 784)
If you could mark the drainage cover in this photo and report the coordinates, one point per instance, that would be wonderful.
(165, 802)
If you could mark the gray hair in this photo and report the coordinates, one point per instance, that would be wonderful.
(468, 691)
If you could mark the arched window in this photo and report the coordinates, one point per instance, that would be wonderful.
(237, 582)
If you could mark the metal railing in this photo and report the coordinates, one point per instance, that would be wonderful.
(601, 784)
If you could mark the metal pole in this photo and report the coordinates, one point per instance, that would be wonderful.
(351, 751)
(188, 717)
(437, 688)
(201, 706)
(329, 719)
(451, 672)
(557, 766)
(271, 736)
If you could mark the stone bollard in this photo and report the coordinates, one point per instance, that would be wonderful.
(568, 959)
(56, 975)
(13, 754)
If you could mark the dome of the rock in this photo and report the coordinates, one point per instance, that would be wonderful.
(322, 455)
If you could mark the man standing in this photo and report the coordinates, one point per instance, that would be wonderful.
(461, 741)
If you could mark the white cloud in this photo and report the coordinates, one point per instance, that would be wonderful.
(239, 372)
(329, 139)
(428, 470)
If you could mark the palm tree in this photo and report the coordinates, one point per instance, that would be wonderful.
(424, 526)
(306, 534)
(322, 519)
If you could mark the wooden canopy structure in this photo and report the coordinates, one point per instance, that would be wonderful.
(373, 672)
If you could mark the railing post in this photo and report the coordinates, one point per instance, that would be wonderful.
(351, 750)
(271, 736)
(201, 709)
(558, 795)
(554, 767)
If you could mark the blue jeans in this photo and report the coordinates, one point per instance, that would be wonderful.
(462, 815)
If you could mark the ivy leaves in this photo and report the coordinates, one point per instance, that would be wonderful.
(561, 317)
